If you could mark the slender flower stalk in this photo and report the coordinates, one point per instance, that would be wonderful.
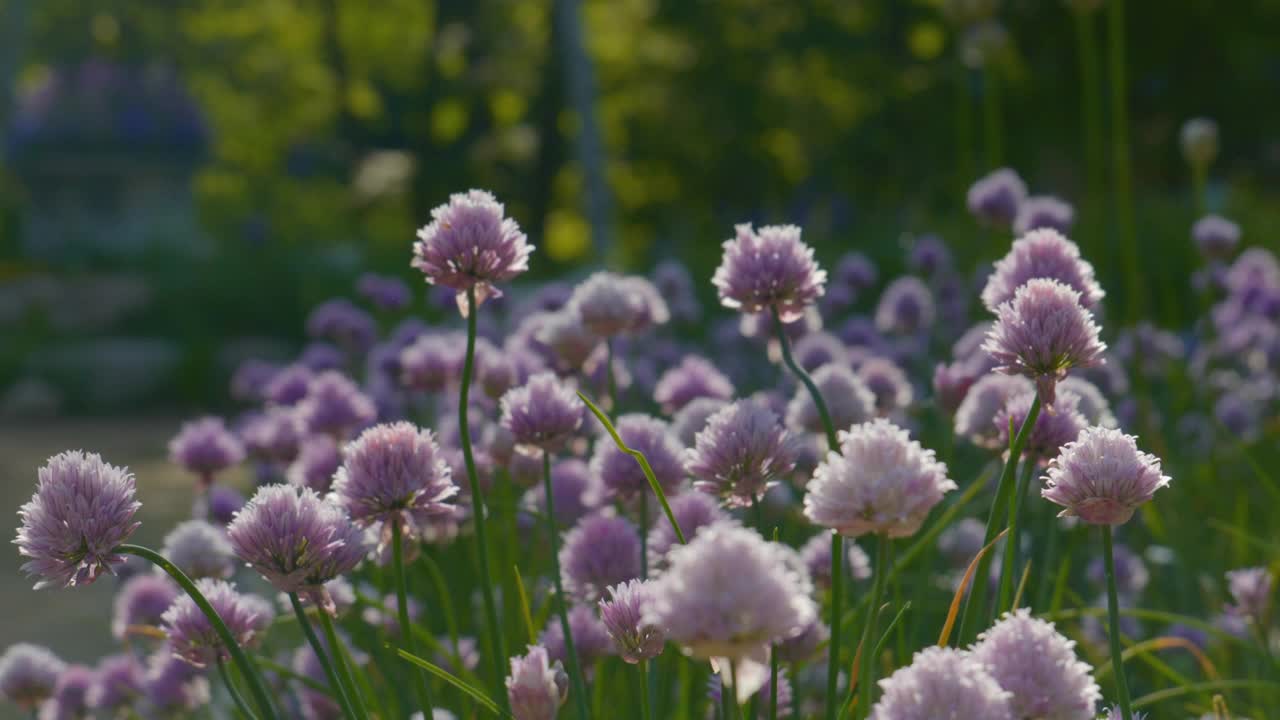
(1091, 122)
(978, 595)
(579, 689)
(340, 665)
(421, 689)
(1113, 629)
(1010, 570)
(773, 682)
(1123, 171)
(867, 669)
(837, 540)
(339, 692)
(247, 670)
(477, 498)
(236, 698)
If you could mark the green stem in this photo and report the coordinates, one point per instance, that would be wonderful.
(827, 426)
(978, 594)
(1122, 163)
(1011, 545)
(868, 667)
(729, 691)
(757, 513)
(837, 613)
(612, 380)
(964, 128)
(496, 651)
(579, 688)
(644, 535)
(795, 683)
(340, 666)
(643, 666)
(240, 704)
(1113, 633)
(421, 689)
(335, 686)
(250, 673)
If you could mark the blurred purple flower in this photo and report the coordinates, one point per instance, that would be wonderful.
(1043, 253)
(1044, 211)
(600, 551)
(384, 292)
(906, 307)
(994, 198)
(695, 377)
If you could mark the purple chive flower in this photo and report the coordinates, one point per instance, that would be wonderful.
(296, 540)
(623, 616)
(69, 700)
(848, 399)
(341, 322)
(1090, 401)
(591, 639)
(289, 385)
(1251, 589)
(1102, 477)
(433, 361)
(1039, 668)
(192, 636)
(318, 460)
(600, 551)
(321, 356)
(28, 674)
(1043, 253)
(951, 384)
(1043, 333)
(543, 414)
(729, 592)
(172, 686)
(653, 306)
(469, 244)
(929, 255)
(567, 338)
(81, 510)
(994, 198)
(816, 553)
(975, 418)
(495, 370)
(1199, 139)
(249, 381)
(607, 305)
(769, 268)
(384, 292)
(942, 683)
(394, 473)
(387, 616)
(959, 543)
(616, 474)
(335, 406)
(537, 687)
(1215, 236)
(1053, 429)
(141, 602)
(205, 447)
(117, 683)
(672, 280)
(906, 307)
(805, 646)
(1044, 211)
(199, 549)
(689, 420)
(740, 454)
(693, 512)
(881, 481)
(888, 384)
(273, 435)
(820, 348)
(695, 377)
(569, 482)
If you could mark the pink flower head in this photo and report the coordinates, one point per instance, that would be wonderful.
(81, 510)
(394, 473)
(1102, 477)
(470, 244)
(1041, 253)
(1042, 333)
(769, 268)
(881, 481)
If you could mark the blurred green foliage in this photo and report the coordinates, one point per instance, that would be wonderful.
(337, 124)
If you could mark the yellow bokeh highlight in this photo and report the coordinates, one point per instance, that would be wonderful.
(448, 120)
(507, 107)
(106, 29)
(568, 237)
(927, 40)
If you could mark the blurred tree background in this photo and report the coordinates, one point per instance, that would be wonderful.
(182, 181)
